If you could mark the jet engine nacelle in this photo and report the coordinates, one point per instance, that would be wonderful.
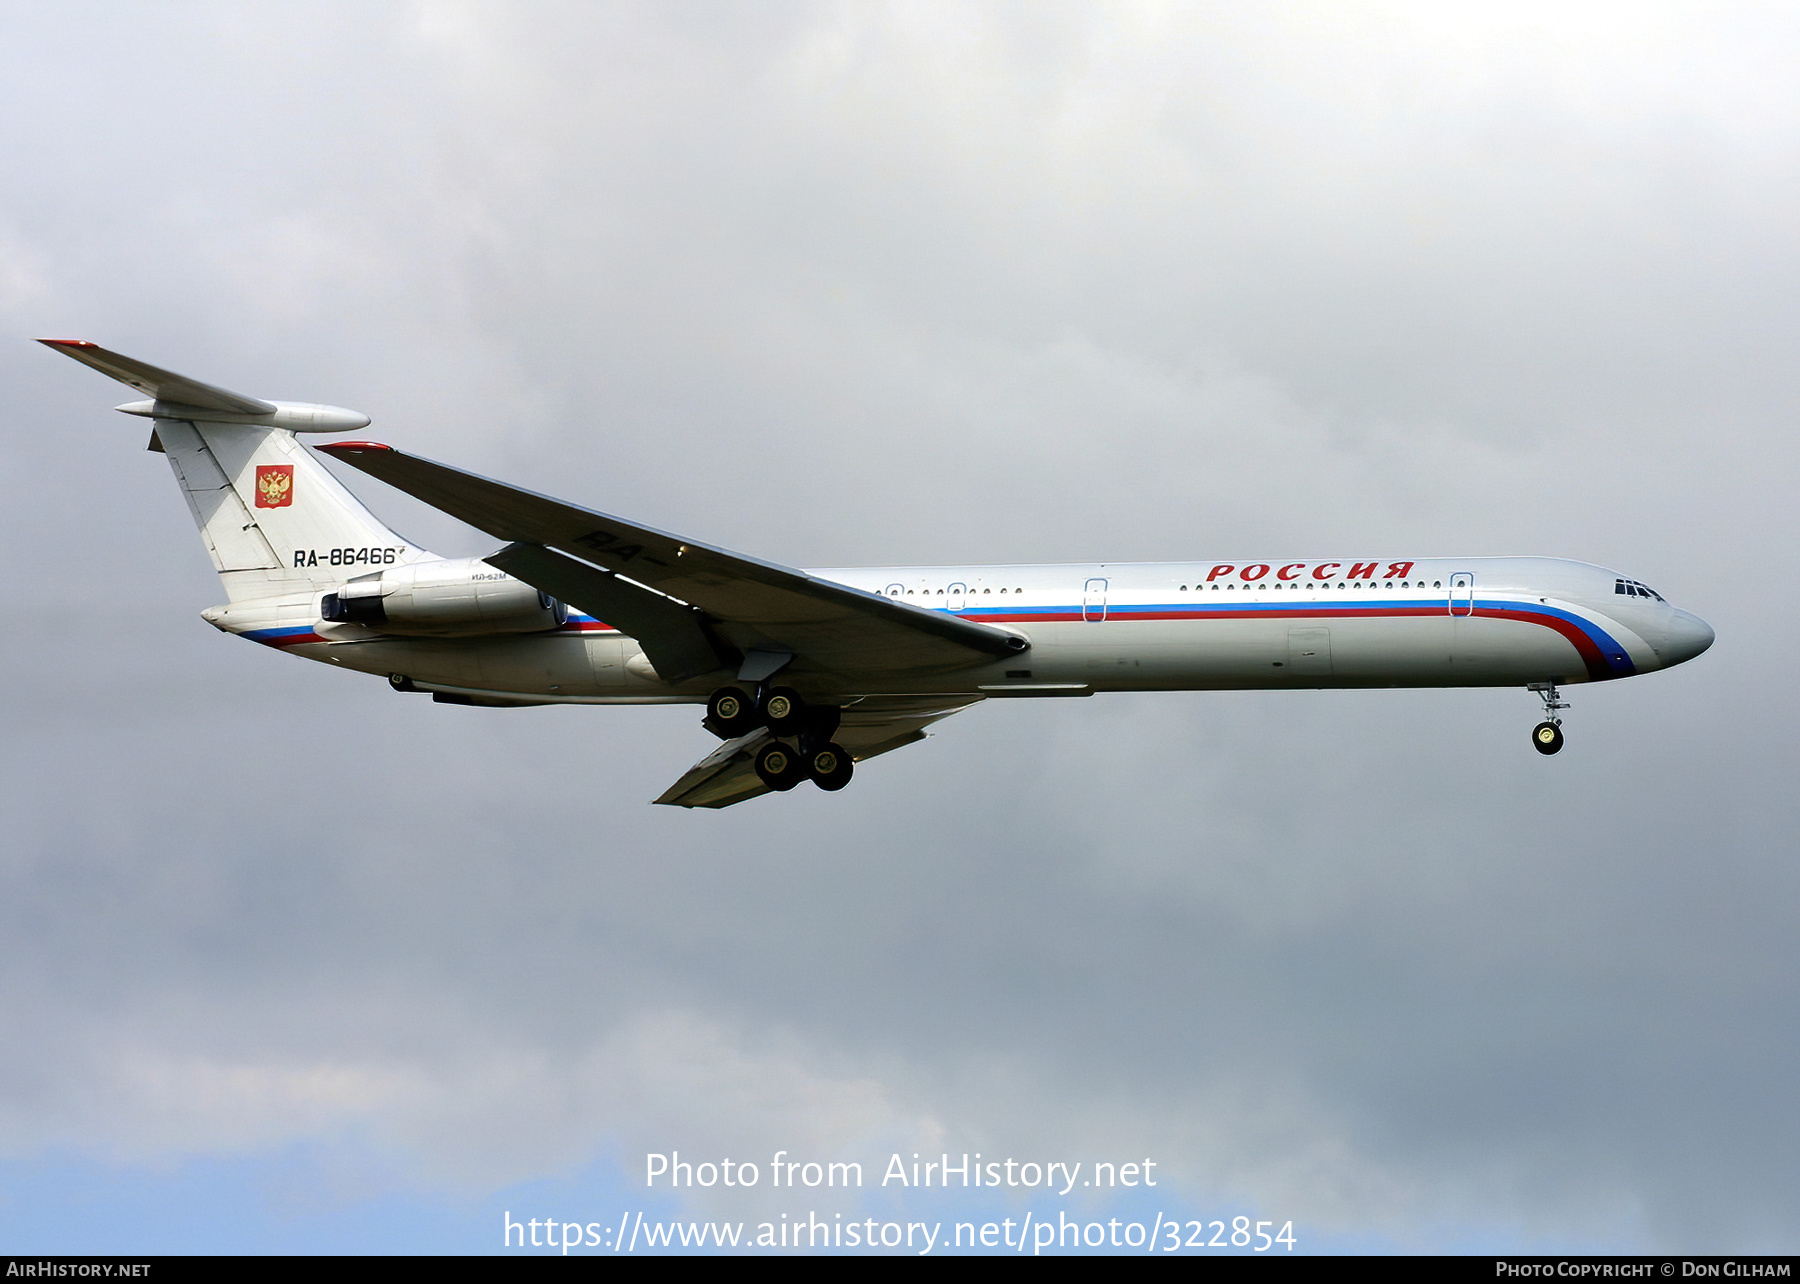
(453, 597)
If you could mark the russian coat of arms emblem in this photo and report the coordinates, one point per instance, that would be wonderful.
(274, 485)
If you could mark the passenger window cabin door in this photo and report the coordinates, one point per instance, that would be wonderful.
(956, 596)
(1462, 594)
(1093, 601)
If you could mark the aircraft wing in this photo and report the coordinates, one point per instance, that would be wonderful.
(870, 726)
(750, 604)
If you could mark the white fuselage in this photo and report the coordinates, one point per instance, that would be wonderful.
(806, 673)
(1145, 626)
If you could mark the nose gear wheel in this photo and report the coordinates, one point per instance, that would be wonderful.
(1547, 736)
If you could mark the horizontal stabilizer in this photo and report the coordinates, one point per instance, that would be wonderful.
(162, 385)
(174, 396)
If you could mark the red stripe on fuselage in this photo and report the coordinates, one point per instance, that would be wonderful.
(292, 639)
(1598, 668)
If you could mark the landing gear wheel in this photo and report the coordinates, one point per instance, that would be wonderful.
(780, 767)
(783, 711)
(830, 768)
(731, 712)
(1547, 736)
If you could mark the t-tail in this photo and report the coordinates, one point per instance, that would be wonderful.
(273, 519)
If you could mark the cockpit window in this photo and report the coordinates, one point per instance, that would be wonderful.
(1632, 588)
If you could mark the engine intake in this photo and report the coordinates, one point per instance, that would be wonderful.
(453, 597)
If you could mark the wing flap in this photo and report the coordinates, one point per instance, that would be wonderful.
(752, 602)
(725, 776)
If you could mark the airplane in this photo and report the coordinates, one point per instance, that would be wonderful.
(806, 673)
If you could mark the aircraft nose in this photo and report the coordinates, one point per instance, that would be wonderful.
(1685, 637)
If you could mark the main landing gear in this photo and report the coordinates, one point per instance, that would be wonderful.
(781, 766)
(731, 712)
(1547, 736)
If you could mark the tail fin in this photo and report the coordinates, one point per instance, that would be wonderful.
(272, 517)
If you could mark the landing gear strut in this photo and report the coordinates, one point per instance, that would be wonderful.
(1547, 736)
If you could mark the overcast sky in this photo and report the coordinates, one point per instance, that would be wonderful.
(288, 961)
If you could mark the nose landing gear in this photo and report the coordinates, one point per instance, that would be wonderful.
(1547, 736)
